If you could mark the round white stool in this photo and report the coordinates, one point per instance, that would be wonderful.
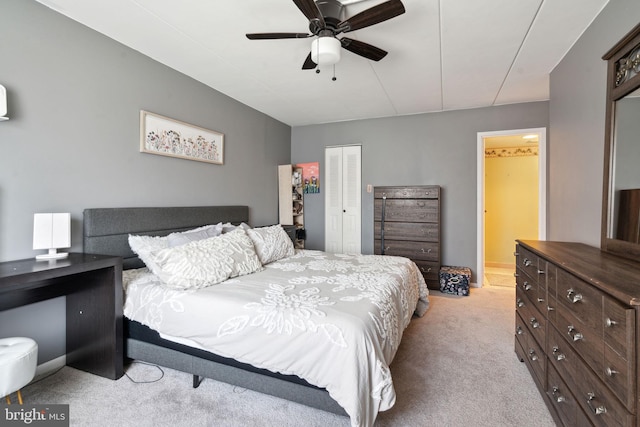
(18, 361)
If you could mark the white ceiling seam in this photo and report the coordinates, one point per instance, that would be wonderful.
(442, 55)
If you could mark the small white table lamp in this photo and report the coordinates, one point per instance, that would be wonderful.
(3, 103)
(52, 231)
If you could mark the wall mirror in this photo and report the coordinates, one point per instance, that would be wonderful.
(621, 195)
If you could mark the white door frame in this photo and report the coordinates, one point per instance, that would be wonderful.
(542, 189)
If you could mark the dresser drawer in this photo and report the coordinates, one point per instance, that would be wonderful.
(584, 340)
(529, 288)
(619, 351)
(601, 406)
(561, 398)
(619, 327)
(425, 210)
(422, 232)
(407, 192)
(533, 319)
(537, 360)
(521, 332)
(425, 251)
(430, 270)
(529, 352)
(581, 380)
(581, 299)
(619, 376)
(564, 358)
(527, 261)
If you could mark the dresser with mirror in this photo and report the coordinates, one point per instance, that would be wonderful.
(577, 316)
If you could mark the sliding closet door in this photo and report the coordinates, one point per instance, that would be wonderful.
(343, 199)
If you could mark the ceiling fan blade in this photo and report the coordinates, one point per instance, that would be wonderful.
(373, 15)
(272, 36)
(308, 63)
(310, 10)
(363, 49)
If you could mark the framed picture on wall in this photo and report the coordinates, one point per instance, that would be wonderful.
(310, 177)
(169, 137)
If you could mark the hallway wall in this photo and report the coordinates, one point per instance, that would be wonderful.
(511, 205)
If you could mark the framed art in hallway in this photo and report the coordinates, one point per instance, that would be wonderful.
(169, 137)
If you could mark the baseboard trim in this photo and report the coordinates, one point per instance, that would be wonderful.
(47, 368)
(499, 265)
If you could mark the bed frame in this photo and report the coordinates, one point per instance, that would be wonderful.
(106, 231)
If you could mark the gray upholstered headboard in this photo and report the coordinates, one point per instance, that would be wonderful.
(106, 230)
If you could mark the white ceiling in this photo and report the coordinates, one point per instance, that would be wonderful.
(443, 54)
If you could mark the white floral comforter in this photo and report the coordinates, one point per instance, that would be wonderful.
(334, 320)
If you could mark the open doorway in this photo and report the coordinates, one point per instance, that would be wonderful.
(511, 198)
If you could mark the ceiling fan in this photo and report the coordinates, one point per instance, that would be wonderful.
(325, 24)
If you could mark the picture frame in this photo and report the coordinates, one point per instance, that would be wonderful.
(310, 177)
(169, 137)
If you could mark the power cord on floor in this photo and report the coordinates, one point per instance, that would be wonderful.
(146, 382)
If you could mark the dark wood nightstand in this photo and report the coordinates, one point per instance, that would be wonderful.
(92, 285)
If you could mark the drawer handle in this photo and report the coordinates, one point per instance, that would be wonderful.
(610, 372)
(559, 398)
(597, 410)
(516, 275)
(534, 323)
(556, 353)
(549, 308)
(573, 297)
(516, 253)
(527, 286)
(532, 355)
(425, 270)
(526, 262)
(519, 303)
(428, 251)
(540, 271)
(540, 299)
(575, 336)
(610, 323)
(519, 331)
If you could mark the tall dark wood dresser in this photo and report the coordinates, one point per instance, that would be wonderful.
(576, 329)
(407, 223)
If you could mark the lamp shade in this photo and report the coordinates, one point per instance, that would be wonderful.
(325, 50)
(51, 231)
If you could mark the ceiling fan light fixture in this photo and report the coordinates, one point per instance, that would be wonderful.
(325, 50)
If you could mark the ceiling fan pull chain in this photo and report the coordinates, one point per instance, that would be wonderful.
(334, 73)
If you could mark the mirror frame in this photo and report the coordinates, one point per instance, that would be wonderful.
(618, 86)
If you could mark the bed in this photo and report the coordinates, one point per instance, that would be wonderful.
(339, 317)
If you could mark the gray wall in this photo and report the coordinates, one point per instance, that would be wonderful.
(72, 139)
(577, 123)
(424, 149)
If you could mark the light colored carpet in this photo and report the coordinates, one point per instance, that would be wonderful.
(495, 279)
(455, 367)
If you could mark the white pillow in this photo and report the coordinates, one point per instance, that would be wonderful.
(272, 243)
(227, 227)
(205, 262)
(177, 239)
(143, 245)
